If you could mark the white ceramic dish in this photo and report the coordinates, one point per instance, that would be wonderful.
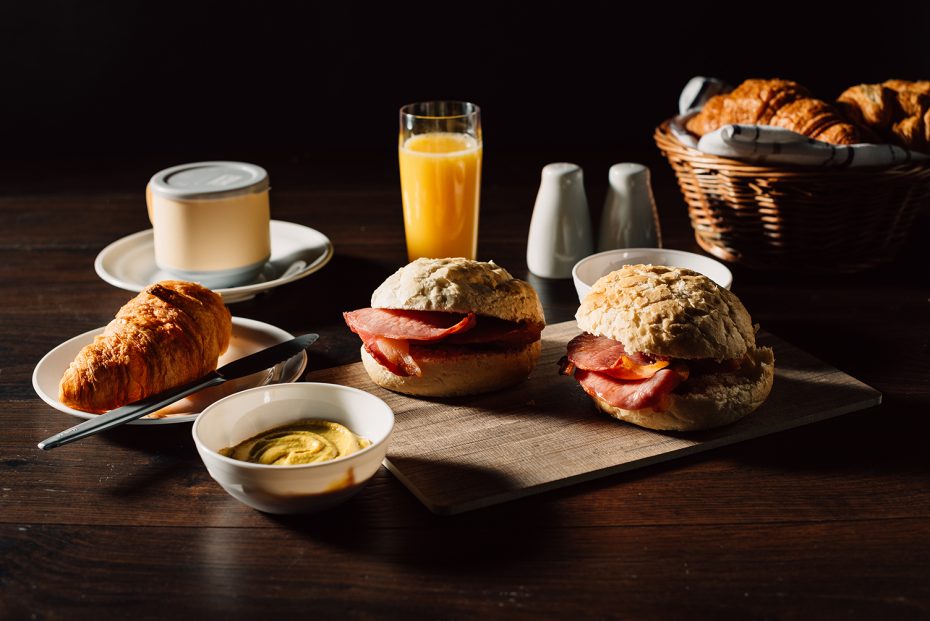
(248, 336)
(296, 251)
(300, 488)
(587, 271)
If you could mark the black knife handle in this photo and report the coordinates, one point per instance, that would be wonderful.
(129, 412)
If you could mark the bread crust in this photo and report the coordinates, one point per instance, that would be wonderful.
(895, 112)
(667, 311)
(170, 334)
(461, 286)
(458, 371)
(868, 104)
(711, 400)
(781, 103)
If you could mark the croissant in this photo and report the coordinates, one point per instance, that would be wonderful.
(920, 86)
(781, 103)
(170, 334)
(896, 111)
(868, 104)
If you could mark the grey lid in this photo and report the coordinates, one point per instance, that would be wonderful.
(209, 180)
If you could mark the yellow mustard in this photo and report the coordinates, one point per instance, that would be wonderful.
(304, 442)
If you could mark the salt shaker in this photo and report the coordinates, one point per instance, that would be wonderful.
(630, 219)
(560, 230)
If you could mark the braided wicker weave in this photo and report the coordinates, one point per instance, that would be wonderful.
(789, 218)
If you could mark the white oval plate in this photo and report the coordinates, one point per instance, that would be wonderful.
(296, 251)
(248, 336)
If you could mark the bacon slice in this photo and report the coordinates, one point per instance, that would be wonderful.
(498, 331)
(632, 395)
(607, 356)
(387, 333)
(392, 354)
(406, 324)
(393, 336)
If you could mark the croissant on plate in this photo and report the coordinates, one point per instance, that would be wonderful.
(896, 111)
(170, 334)
(781, 103)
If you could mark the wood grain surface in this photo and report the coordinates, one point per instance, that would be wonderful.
(826, 521)
(545, 433)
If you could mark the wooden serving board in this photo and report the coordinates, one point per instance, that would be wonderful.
(469, 452)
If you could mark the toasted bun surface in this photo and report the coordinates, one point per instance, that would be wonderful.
(667, 311)
(457, 371)
(712, 400)
(461, 286)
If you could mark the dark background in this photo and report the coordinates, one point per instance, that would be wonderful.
(165, 82)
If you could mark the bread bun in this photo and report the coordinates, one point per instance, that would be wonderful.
(460, 286)
(679, 314)
(457, 371)
(667, 311)
(712, 400)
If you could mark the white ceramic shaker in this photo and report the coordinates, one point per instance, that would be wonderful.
(560, 230)
(630, 219)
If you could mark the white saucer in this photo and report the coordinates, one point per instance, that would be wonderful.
(296, 251)
(248, 336)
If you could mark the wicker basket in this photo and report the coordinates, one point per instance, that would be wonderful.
(780, 217)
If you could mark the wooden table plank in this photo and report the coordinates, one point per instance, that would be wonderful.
(686, 570)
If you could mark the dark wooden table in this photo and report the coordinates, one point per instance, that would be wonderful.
(828, 521)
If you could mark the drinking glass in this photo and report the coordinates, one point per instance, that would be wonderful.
(439, 149)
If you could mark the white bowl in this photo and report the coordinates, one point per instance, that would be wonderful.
(587, 271)
(300, 488)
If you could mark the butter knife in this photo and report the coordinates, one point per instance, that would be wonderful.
(247, 365)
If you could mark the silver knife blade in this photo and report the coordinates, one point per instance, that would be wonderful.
(242, 367)
(266, 358)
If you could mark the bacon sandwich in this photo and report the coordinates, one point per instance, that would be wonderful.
(449, 327)
(667, 348)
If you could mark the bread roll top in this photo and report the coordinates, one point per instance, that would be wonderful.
(461, 286)
(667, 311)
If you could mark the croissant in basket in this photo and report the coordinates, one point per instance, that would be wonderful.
(170, 334)
(781, 103)
(896, 111)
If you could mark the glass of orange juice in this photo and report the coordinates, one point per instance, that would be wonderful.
(440, 178)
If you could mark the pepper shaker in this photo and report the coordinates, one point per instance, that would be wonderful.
(630, 219)
(560, 229)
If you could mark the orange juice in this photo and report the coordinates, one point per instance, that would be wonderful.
(440, 179)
